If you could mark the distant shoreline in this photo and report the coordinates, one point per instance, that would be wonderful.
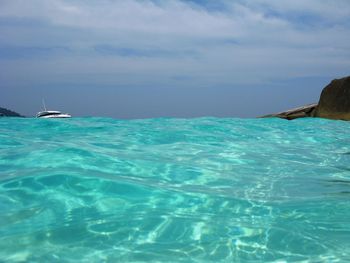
(9, 113)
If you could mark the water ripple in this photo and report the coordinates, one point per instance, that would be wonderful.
(207, 189)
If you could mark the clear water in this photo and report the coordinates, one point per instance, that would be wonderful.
(174, 190)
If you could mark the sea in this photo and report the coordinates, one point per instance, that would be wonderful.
(174, 190)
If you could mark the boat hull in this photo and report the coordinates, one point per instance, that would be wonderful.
(57, 116)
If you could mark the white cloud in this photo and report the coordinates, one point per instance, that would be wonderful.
(332, 10)
(246, 41)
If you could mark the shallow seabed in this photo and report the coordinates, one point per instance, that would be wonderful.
(174, 190)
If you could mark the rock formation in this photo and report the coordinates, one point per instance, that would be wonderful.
(334, 104)
(300, 112)
(335, 100)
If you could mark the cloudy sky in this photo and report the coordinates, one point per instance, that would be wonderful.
(170, 58)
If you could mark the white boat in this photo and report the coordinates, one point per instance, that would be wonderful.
(52, 114)
(48, 114)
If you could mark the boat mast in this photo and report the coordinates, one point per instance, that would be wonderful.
(44, 104)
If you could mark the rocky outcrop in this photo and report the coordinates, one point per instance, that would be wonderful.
(334, 104)
(335, 100)
(300, 112)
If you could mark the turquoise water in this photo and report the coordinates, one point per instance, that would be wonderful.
(174, 190)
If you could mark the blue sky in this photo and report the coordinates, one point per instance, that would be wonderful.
(170, 58)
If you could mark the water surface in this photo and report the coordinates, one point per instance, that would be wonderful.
(174, 190)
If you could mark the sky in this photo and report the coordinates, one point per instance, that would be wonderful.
(170, 58)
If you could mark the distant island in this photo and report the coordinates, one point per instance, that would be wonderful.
(9, 113)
